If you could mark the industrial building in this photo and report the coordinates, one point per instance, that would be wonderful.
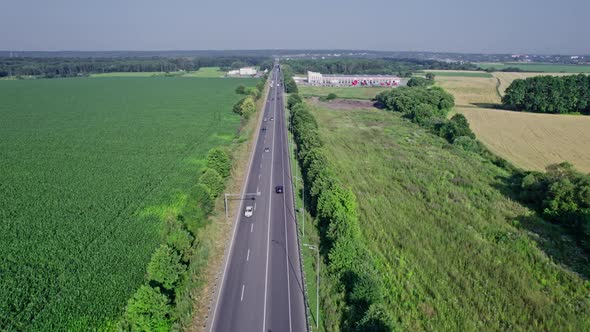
(245, 71)
(314, 78)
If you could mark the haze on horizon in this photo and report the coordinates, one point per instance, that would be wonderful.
(502, 26)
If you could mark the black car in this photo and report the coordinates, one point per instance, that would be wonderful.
(279, 189)
(263, 128)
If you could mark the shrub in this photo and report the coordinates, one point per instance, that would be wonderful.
(165, 267)
(218, 160)
(248, 107)
(419, 81)
(213, 181)
(148, 310)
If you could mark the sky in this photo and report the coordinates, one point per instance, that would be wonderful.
(475, 26)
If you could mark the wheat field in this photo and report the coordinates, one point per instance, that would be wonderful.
(529, 140)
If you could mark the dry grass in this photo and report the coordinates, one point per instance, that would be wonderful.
(533, 140)
(529, 140)
(470, 90)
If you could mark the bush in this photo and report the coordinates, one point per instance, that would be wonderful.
(419, 81)
(148, 310)
(218, 160)
(331, 96)
(248, 107)
(180, 240)
(293, 100)
(467, 143)
(241, 89)
(213, 181)
(165, 267)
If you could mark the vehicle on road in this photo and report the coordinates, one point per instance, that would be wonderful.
(264, 119)
(272, 118)
(266, 149)
(279, 189)
(249, 211)
(263, 128)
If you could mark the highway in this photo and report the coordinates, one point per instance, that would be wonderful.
(261, 281)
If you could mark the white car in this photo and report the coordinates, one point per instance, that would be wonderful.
(249, 211)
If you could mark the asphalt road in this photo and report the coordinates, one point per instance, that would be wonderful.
(261, 284)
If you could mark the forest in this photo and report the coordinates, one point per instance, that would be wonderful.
(72, 67)
(549, 94)
(384, 66)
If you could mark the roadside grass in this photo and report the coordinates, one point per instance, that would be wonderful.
(537, 67)
(453, 250)
(529, 140)
(342, 92)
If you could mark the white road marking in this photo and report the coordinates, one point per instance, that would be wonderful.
(254, 206)
(242, 297)
(233, 237)
(286, 240)
(268, 227)
(251, 227)
(248, 255)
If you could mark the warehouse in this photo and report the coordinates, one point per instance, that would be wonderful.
(314, 78)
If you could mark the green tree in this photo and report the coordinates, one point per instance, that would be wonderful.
(430, 76)
(213, 181)
(237, 108)
(218, 160)
(165, 267)
(180, 240)
(293, 100)
(148, 310)
(248, 107)
(241, 89)
(419, 81)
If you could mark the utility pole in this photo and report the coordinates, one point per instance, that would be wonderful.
(317, 288)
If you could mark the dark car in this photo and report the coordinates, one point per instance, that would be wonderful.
(279, 189)
(263, 128)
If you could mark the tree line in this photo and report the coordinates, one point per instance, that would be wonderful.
(400, 67)
(71, 67)
(152, 307)
(341, 244)
(549, 94)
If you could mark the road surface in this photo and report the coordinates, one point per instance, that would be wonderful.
(261, 284)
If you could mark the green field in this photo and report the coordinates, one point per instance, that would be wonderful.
(128, 74)
(206, 72)
(538, 67)
(453, 250)
(89, 169)
(459, 73)
(341, 92)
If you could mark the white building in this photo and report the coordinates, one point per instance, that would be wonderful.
(245, 71)
(314, 78)
(248, 71)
